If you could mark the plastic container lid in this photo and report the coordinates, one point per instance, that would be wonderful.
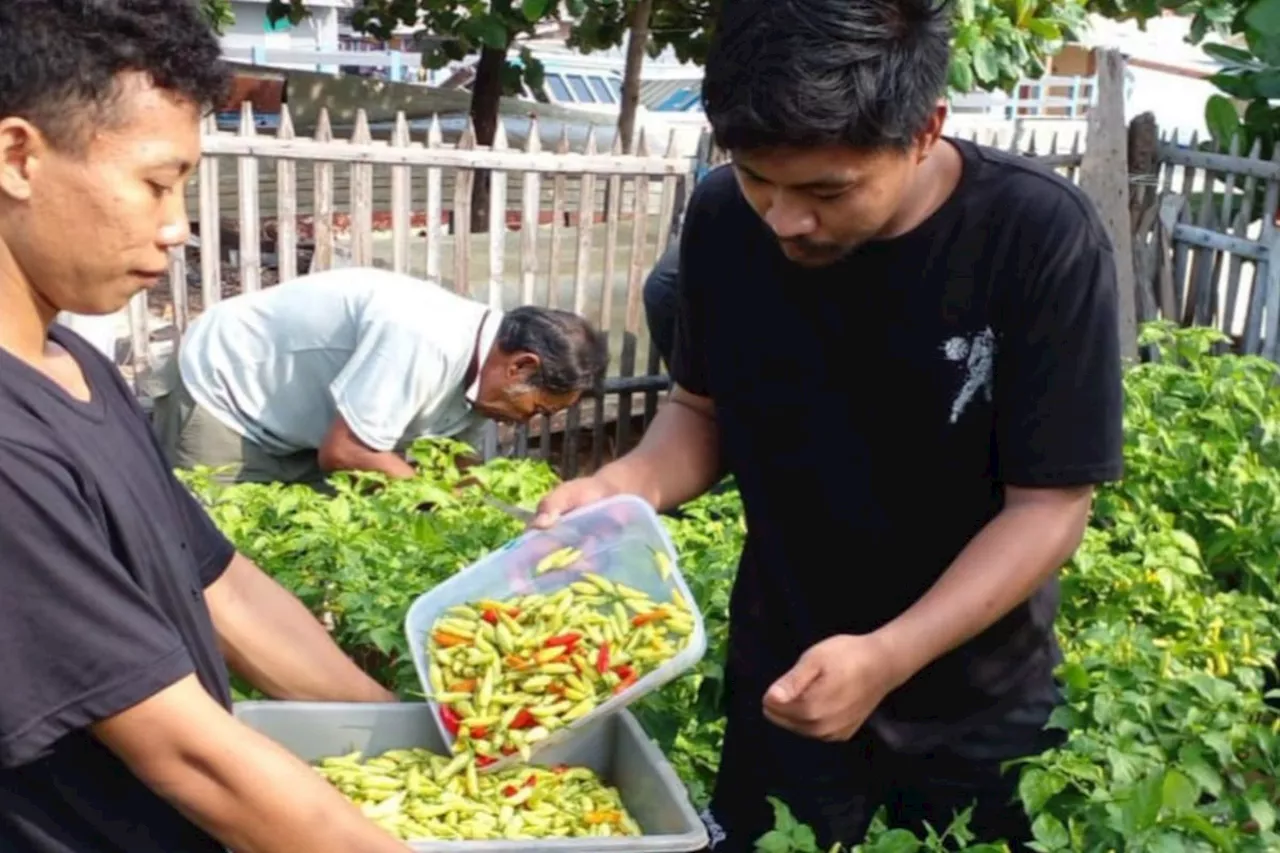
(619, 538)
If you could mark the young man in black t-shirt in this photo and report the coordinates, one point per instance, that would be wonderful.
(121, 605)
(905, 349)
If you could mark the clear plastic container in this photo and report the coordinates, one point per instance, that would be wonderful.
(616, 749)
(618, 537)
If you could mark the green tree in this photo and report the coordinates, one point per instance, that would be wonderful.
(218, 12)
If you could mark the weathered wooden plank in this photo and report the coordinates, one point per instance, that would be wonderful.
(287, 208)
(1104, 176)
(250, 218)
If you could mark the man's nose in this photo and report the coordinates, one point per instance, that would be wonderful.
(789, 220)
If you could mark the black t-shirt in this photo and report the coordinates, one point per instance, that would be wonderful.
(872, 411)
(104, 558)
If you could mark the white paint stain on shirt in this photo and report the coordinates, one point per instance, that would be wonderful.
(978, 354)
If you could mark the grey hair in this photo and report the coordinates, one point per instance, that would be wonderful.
(574, 356)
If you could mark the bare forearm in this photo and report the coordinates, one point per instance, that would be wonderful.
(677, 460)
(1016, 553)
(271, 640)
(361, 459)
(272, 804)
(247, 791)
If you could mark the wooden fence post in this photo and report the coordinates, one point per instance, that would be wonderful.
(1104, 176)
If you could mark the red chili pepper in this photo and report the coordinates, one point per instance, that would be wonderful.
(555, 689)
(531, 781)
(624, 684)
(450, 719)
(567, 640)
(602, 659)
(508, 750)
(560, 768)
(479, 731)
(523, 720)
(490, 616)
(513, 612)
(510, 791)
(466, 685)
(484, 760)
(625, 672)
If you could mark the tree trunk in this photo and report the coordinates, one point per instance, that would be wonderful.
(637, 41)
(486, 92)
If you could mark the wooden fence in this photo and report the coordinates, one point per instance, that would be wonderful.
(1204, 233)
(576, 230)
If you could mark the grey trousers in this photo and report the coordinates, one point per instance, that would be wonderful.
(191, 436)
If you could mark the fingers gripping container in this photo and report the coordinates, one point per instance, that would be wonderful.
(620, 540)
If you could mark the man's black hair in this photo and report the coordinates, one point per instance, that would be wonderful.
(60, 60)
(574, 356)
(806, 73)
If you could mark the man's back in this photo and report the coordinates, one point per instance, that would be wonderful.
(269, 365)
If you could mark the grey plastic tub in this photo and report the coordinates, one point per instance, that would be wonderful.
(615, 747)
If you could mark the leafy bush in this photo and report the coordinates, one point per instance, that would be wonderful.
(1169, 620)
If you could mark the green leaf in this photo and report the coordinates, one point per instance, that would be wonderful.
(895, 841)
(1264, 16)
(1050, 832)
(960, 75)
(1221, 118)
(490, 31)
(1263, 812)
(1037, 787)
(986, 64)
(533, 10)
(1045, 29)
(1231, 55)
(1179, 793)
(774, 841)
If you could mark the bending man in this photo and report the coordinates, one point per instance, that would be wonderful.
(342, 370)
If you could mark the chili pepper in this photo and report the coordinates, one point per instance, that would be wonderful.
(566, 640)
(479, 731)
(602, 659)
(450, 719)
(624, 684)
(523, 720)
(516, 662)
(466, 685)
(509, 750)
(642, 619)
(443, 638)
(490, 616)
(484, 760)
(510, 791)
(555, 689)
(625, 672)
(531, 781)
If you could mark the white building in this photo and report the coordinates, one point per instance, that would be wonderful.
(253, 37)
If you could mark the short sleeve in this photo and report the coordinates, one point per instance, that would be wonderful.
(1059, 397)
(393, 373)
(209, 546)
(696, 264)
(80, 641)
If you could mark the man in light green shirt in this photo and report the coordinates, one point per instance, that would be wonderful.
(343, 370)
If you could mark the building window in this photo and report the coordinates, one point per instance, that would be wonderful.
(602, 90)
(559, 91)
(580, 89)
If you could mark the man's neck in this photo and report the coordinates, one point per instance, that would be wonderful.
(933, 184)
(25, 318)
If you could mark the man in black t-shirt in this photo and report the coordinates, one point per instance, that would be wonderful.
(905, 350)
(121, 605)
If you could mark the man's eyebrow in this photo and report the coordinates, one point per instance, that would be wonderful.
(177, 164)
(826, 182)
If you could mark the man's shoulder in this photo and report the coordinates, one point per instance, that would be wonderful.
(1027, 194)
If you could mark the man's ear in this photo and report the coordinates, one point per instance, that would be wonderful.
(932, 132)
(21, 148)
(523, 365)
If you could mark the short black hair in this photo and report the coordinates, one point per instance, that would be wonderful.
(807, 73)
(574, 356)
(60, 60)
